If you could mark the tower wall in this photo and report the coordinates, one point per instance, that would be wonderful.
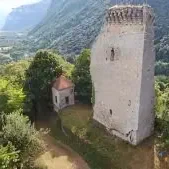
(122, 69)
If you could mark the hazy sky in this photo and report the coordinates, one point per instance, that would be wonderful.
(7, 5)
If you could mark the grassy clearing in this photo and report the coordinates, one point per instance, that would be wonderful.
(100, 150)
(77, 116)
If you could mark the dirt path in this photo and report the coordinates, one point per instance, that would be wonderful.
(59, 156)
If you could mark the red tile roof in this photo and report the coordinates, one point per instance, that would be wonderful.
(62, 83)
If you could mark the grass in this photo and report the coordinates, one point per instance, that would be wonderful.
(77, 116)
(99, 149)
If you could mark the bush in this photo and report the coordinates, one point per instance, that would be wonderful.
(8, 157)
(17, 129)
(162, 113)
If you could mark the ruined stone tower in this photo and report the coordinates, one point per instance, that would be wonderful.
(122, 69)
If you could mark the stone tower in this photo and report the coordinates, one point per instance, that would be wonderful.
(122, 69)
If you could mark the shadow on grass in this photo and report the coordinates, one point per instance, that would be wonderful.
(96, 158)
(102, 151)
(98, 148)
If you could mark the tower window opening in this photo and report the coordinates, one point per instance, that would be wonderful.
(112, 55)
(111, 112)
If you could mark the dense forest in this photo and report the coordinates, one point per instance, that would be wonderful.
(70, 26)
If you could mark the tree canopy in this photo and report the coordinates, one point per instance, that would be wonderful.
(45, 67)
(82, 78)
(12, 80)
(20, 142)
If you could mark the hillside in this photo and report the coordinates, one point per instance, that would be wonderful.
(72, 25)
(26, 16)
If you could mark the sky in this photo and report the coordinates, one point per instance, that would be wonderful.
(7, 5)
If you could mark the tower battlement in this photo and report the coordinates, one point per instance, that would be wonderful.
(128, 14)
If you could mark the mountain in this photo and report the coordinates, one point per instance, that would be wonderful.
(71, 25)
(26, 16)
(2, 19)
(162, 17)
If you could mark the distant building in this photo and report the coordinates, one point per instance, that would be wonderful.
(62, 93)
(122, 69)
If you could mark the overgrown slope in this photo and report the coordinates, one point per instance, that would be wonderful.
(26, 16)
(72, 25)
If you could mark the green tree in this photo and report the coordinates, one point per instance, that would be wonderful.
(11, 96)
(17, 55)
(15, 71)
(162, 68)
(45, 67)
(82, 78)
(4, 59)
(17, 129)
(8, 157)
(12, 80)
(162, 49)
(162, 112)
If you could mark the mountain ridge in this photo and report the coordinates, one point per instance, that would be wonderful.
(71, 25)
(73, 20)
(26, 17)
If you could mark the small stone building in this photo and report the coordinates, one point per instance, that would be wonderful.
(62, 93)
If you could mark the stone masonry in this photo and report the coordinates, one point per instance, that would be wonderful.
(122, 69)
